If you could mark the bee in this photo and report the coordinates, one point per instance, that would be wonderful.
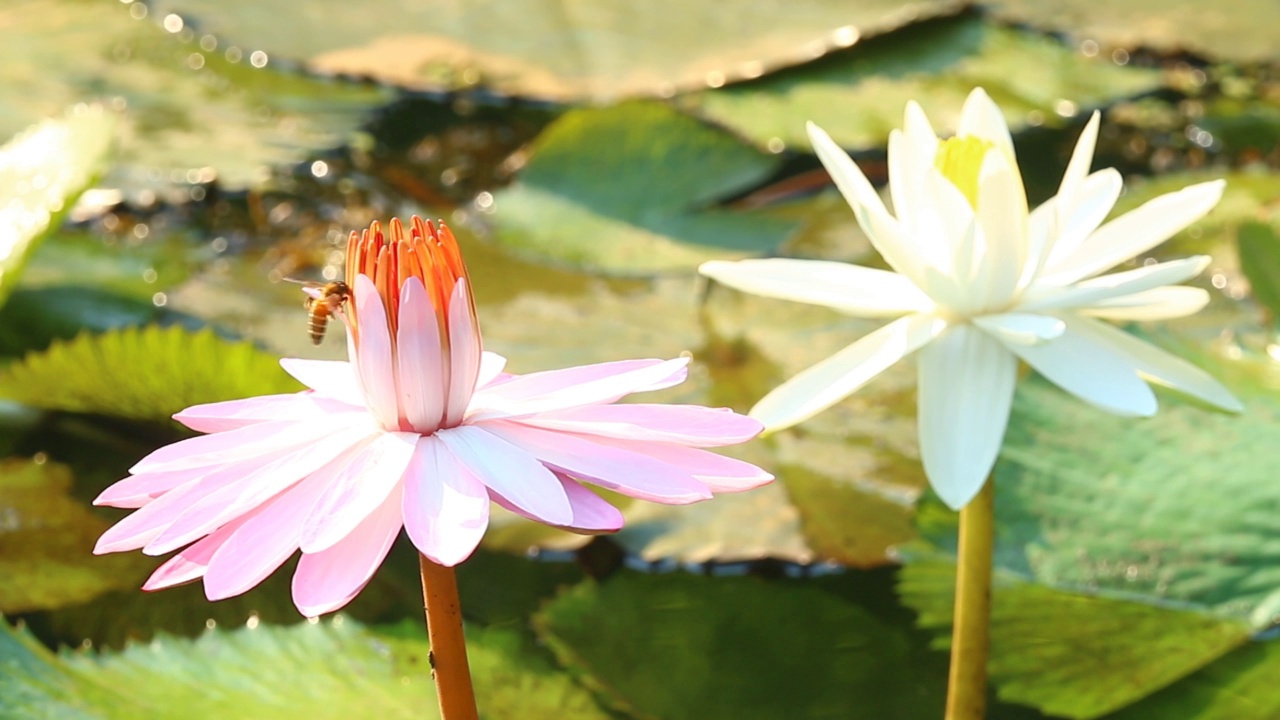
(321, 303)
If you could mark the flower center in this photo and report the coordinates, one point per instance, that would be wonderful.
(959, 159)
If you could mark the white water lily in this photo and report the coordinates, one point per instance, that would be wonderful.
(979, 282)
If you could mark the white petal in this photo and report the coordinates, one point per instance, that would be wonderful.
(1117, 285)
(1134, 233)
(357, 490)
(1162, 303)
(464, 353)
(1022, 328)
(1002, 214)
(491, 366)
(912, 150)
(1094, 372)
(446, 507)
(1081, 158)
(966, 382)
(831, 380)
(852, 289)
(880, 226)
(1087, 207)
(1158, 366)
(981, 118)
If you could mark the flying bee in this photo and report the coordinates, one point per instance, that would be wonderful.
(323, 301)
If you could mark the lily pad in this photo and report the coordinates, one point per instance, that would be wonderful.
(42, 171)
(195, 109)
(683, 646)
(858, 95)
(598, 50)
(337, 669)
(1175, 514)
(142, 373)
(1074, 655)
(631, 189)
(46, 542)
(1240, 686)
(1231, 30)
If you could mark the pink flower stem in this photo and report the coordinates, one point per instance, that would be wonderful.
(448, 644)
(970, 635)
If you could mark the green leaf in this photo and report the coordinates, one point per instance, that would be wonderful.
(42, 172)
(190, 113)
(142, 373)
(136, 271)
(34, 318)
(1260, 262)
(681, 646)
(597, 49)
(46, 542)
(858, 96)
(629, 190)
(336, 669)
(1240, 686)
(1074, 655)
(1235, 29)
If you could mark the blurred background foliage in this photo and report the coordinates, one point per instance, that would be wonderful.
(589, 155)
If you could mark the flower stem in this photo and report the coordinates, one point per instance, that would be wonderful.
(970, 638)
(448, 644)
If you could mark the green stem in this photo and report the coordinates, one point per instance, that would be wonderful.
(970, 638)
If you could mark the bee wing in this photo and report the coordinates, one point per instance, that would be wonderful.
(315, 293)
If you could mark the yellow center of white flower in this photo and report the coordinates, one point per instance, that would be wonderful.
(959, 159)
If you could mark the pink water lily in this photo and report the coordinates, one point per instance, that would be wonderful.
(421, 429)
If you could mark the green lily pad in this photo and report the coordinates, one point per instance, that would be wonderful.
(42, 172)
(683, 646)
(193, 108)
(1234, 30)
(123, 269)
(1173, 518)
(630, 190)
(142, 373)
(858, 95)
(1240, 686)
(336, 669)
(1259, 246)
(1074, 655)
(597, 50)
(46, 542)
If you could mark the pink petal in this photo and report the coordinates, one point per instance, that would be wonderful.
(327, 580)
(263, 540)
(575, 387)
(143, 525)
(221, 449)
(491, 366)
(357, 490)
(616, 468)
(373, 349)
(192, 563)
(136, 491)
(420, 363)
(236, 492)
(592, 514)
(720, 473)
(691, 425)
(329, 378)
(234, 414)
(511, 471)
(446, 507)
(464, 353)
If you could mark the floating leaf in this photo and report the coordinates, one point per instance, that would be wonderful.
(858, 95)
(627, 190)
(1074, 655)
(1240, 686)
(681, 646)
(600, 49)
(190, 110)
(336, 669)
(42, 171)
(1260, 262)
(46, 542)
(142, 373)
(1235, 29)
(84, 259)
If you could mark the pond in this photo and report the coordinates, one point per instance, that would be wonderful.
(589, 157)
